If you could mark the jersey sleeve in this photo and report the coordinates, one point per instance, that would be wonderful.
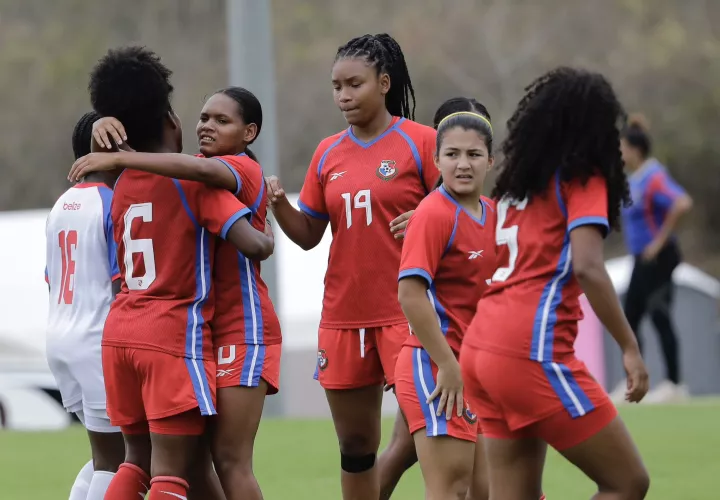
(106, 196)
(214, 209)
(427, 237)
(235, 166)
(430, 173)
(664, 190)
(587, 205)
(312, 195)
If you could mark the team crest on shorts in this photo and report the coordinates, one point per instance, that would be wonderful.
(322, 359)
(386, 170)
(469, 416)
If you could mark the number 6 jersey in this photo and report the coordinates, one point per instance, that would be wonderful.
(165, 230)
(81, 263)
(532, 307)
(360, 187)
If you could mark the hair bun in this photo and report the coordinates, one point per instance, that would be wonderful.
(638, 120)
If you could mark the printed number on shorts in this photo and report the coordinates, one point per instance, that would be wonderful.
(142, 246)
(226, 355)
(507, 236)
(361, 200)
(68, 241)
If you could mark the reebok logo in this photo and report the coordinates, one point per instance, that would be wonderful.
(337, 175)
(474, 254)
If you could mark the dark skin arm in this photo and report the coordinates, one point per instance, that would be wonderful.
(176, 165)
(252, 243)
(304, 230)
(589, 268)
(115, 287)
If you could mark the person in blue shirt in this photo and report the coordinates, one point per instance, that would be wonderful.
(649, 226)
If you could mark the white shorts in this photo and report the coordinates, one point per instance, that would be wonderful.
(77, 369)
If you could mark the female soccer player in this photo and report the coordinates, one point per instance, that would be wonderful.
(246, 330)
(157, 355)
(650, 222)
(360, 180)
(560, 190)
(83, 279)
(447, 258)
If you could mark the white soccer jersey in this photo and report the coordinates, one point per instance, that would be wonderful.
(81, 264)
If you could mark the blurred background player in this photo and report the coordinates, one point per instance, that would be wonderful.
(360, 180)
(83, 277)
(447, 260)
(245, 327)
(649, 227)
(561, 188)
(157, 352)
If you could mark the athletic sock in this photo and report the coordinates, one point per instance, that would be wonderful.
(129, 483)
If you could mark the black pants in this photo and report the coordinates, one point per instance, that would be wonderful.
(651, 291)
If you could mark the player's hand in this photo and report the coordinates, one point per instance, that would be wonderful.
(94, 162)
(275, 192)
(398, 225)
(638, 381)
(652, 250)
(108, 127)
(450, 389)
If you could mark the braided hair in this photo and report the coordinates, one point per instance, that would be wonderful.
(384, 53)
(567, 123)
(82, 134)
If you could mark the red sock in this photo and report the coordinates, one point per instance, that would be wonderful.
(129, 483)
(168, 488)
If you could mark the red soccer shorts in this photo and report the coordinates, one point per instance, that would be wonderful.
(144, 385)
(189, 423)
(415, 376)
(244, 365)
(350, 359)
(560, 403)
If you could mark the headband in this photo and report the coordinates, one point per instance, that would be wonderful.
(469, 113)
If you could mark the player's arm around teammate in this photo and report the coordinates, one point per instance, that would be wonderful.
(448, 255)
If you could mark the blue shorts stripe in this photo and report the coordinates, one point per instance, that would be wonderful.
(198, 377)
(253, 365)
(424, 386)
(573, 398)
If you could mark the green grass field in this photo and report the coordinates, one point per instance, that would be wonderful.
(298, 459)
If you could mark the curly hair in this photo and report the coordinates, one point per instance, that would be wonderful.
(384, 53)
(133, 85)
(567, 123)
(82, 134)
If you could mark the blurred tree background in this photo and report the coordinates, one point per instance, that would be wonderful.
(663, 56)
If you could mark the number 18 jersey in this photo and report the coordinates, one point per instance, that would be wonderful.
(360, 187)
(532, 308)
(81, 264)
(165, 230)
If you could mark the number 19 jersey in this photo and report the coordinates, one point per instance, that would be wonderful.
(81, 264)
(360, 187)
(165, 229)
(532, 307)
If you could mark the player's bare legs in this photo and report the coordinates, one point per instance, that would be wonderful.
(515, 468)
(479, 484)
(170, 463)
(611, 459)
(133, 476)
(356, 415)
(398, 457)
(108, 452)
(239, 413)
(204, 482)
(446, 465)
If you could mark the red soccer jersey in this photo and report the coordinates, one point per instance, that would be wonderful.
(455, 253)
(360, 187)
(164, 229)
(532, 308)
(244, 313)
